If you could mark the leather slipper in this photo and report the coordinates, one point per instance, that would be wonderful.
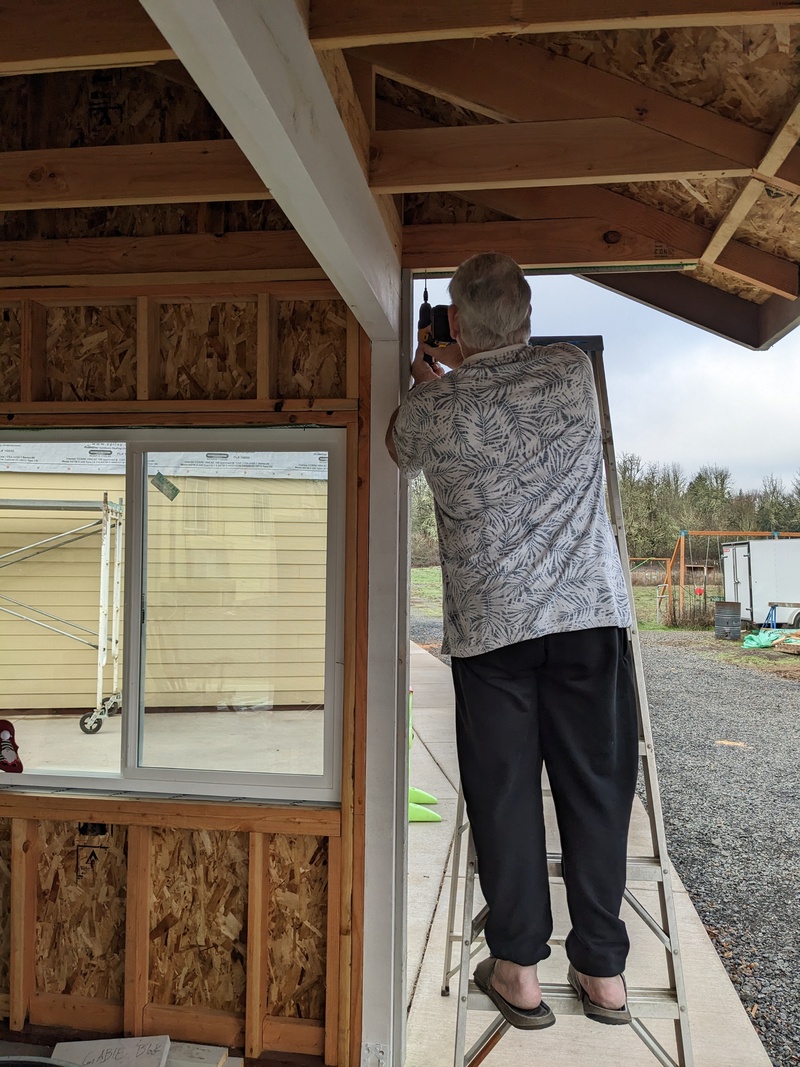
(596, 1012)
(521, 1018)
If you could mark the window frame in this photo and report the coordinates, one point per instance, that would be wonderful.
(174, 782)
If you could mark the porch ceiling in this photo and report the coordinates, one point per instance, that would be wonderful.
(654, 149)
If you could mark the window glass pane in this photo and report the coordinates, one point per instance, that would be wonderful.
(235, 589)
(61, 586)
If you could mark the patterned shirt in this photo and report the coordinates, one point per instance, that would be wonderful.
(510, 445)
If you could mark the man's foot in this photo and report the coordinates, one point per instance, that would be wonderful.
(604, 999)
(527, 989)
(516, 984)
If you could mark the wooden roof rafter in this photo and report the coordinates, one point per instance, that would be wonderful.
(350, 23)
(672, 237)
(49, 35)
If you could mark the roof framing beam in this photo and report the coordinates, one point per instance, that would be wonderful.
(779, 148)
(107, 260)
(46, 35)
(174, 172)
(350, 23)
(525, 154)
(566, 243)
(674, 237)
(505, 78)
(256, 67)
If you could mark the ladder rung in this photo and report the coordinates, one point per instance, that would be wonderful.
(640, 868)
(643, 1003)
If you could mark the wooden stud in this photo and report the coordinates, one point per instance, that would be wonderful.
(257, 931)
(357, 858)
(184, 172)
(176, 290)
(363, 76)
(148, 348)
(347, 959)
(173, 814)
(352, 357)
(76, 1013)
(197, 1024)
(33, 366)
(332, 961)
(24, 884)
(102, 260)
(350, 23)
(45, 35)
(523, 154)
(267, 347)
(299, 1036)
(137, 929)
(348, 104)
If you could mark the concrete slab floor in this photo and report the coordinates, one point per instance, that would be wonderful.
(722, 1034)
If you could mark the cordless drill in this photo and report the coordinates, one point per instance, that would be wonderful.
(433, 328)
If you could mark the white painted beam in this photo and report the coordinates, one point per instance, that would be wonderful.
(255, 65)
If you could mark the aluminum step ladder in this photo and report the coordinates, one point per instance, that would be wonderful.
(652, 870)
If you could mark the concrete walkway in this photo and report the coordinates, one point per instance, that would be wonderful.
(722, 1033)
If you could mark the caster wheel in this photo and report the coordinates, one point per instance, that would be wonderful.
(88, 726)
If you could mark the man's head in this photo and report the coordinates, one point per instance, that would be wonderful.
(491, 303)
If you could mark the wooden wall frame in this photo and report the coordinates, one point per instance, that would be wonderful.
(337, 1039)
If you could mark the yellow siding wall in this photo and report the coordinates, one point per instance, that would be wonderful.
(236, 593)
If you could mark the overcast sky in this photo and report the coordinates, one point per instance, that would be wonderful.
(678, 394)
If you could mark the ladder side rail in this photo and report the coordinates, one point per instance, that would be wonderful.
(453, 935)
(653, 792)
(466, 943)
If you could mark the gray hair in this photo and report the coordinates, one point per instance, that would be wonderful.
(493, 301)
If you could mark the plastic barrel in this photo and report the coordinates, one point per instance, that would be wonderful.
(728, 620)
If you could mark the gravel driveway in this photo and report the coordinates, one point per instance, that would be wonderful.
(728, 750)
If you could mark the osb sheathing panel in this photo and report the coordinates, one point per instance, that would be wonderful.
(748, 74)
(427, 208)
(80, 921)
(729, 284)
(312, 347)
(9, 353)
(208, 351)
(127, 105)
(5, 903)
(91, 353)
(773, 224)
(429, 107)
(703, 202)
(198, 919)
(298, 908)
(152, 220)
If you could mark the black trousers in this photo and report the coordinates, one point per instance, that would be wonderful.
(568, 701)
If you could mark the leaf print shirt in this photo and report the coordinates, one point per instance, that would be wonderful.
(510, 445)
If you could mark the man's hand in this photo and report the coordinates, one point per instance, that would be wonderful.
(422, 371)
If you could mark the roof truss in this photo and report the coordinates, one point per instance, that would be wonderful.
(349, 23)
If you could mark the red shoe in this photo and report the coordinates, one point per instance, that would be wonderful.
(9, 753)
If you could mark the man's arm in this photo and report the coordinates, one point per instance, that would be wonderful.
(420, 372)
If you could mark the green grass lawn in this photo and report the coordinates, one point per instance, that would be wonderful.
(426, 598)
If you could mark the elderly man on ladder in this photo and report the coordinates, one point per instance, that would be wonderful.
(535, 620)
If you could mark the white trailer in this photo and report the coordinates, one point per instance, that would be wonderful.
(759, 572)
